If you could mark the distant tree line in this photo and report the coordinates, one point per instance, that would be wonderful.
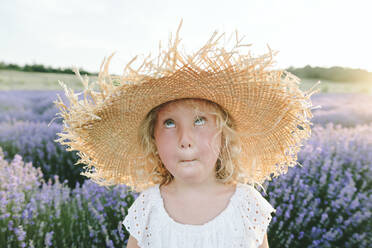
(336, 73)
(40, 68)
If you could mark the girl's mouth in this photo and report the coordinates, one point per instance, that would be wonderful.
(184, 161)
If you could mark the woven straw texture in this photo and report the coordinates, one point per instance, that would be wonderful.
(268, 108)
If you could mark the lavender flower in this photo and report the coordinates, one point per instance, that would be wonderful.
(27, 105)
(35, 142)
(48, 239)
(327, 201)
(89, 213)
(346, 109)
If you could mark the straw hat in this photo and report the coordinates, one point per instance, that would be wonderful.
(267, 107)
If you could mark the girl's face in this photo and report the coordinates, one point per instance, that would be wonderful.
(186, 141)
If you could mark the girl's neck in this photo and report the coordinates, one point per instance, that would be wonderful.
(191, 190)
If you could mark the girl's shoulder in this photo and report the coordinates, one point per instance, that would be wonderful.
(145, 199)
(254, 211)
(136, 222)
(250, 196)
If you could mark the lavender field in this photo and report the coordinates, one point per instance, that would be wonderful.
(44, 202)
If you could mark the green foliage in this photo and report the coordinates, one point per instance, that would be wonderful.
(335, 73)
(40, 68)
(4, 66)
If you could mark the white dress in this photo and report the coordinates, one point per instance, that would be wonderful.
(243, 223)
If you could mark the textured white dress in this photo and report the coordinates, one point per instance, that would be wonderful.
(243, 223)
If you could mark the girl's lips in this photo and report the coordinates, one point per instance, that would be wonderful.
(187, 160)
(188, 163)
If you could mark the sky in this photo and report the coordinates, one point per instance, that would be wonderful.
(80, 33)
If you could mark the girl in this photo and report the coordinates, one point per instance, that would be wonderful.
(194, 134)
(196, 194)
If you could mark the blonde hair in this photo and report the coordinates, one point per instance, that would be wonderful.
(227, 166)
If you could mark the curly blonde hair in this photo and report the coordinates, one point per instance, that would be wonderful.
(227, 166)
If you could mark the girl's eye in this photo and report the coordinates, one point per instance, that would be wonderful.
(200, 120)
(168, 121)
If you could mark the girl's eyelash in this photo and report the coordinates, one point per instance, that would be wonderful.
(201, 117)
(166, 121)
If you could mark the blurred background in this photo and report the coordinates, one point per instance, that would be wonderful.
(44, 201)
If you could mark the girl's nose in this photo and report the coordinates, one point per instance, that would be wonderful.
(186, 145)
(186, 138)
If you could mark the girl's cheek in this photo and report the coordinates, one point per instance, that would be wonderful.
(207, 134)
(160, 133)
(165, 135)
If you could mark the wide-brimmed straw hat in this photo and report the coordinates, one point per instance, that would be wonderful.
(266, 105)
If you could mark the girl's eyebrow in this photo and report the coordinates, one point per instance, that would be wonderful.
(196, 115)
(167, 116)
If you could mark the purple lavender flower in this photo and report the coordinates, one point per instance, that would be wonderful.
(330, 200)
(35, 142)
(48, 239)
(346, 109)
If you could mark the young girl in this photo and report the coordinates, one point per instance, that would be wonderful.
(194, 134)
(196, 199)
